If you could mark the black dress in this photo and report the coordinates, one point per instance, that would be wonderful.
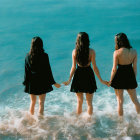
(124, 78)
(83, 80)
(38, 78)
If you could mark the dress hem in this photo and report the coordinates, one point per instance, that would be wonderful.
(125, 88)
(39, 93)
(90, 92)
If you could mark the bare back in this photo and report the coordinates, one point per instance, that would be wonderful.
(126, 56)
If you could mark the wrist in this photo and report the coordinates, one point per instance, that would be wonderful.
(69, 79)
(101, 80)
(110, 82)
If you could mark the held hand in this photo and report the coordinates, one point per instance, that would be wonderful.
(104, 82)
(57, 85)
(109, 84)
(66, 83)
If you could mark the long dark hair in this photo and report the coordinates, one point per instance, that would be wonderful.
(122, 41)
(36, 49)
(82, 48)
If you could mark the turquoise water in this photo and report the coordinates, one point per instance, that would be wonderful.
(57, 23)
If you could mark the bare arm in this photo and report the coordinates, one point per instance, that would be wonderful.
(95, 68)
(114, 68)
(73, 68)
(135, 64)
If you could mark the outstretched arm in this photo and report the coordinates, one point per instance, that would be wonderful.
(73, 68)
(114, 68)
(95, 68)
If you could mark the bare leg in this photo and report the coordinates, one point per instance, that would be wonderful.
(119, 95)
(32, 104)
(41, 103)
(89, 98)
(79, 102)
(133, 96)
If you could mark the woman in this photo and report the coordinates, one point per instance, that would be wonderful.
(124, 77)
(38, 78)
(83, 80)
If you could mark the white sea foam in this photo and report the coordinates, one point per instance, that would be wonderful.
(61, 122)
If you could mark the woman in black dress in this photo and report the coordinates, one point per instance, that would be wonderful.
(83, 80)
(38, 77)
(124, 77)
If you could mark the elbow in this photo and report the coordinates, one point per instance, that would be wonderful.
(95, 69)
(134, 68)
(73, 68)
(114, 70)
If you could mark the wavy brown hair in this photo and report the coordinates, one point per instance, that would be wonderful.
(122, 41)
(82, 48)
(36, 49)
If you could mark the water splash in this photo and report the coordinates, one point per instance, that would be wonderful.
(104, 124)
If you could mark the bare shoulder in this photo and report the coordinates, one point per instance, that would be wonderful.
(91, 52)
(133, 51)
(116, 53)
(74, 53)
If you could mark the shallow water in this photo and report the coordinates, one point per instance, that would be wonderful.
(57, 23)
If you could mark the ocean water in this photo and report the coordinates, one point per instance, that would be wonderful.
(58, 23)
